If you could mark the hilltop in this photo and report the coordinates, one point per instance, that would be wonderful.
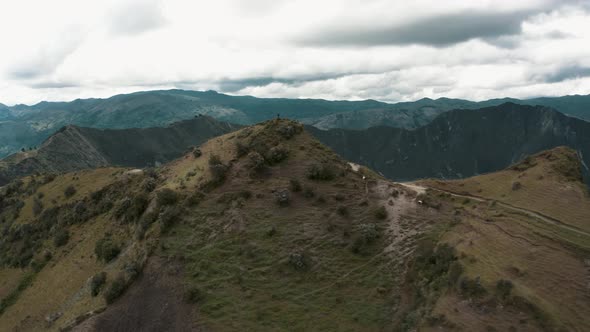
(265, 228)
(74, 148)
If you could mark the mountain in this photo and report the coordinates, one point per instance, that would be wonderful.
(28, 126)
(268, 229)
(412, 115)
(461, 143)
(75, 148)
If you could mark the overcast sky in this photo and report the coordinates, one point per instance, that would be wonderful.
(390, 50)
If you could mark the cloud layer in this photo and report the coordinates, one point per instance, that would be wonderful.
(335, 49)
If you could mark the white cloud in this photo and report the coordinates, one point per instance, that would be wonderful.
(66, 49)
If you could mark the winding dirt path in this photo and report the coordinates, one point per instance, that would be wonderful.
(536, 215)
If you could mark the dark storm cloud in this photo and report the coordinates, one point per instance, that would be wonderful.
(239, 84)
(567, 73)
(437, 31)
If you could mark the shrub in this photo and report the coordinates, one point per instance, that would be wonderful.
(368, 233)
(166, 196)
(47, 178)
(241, 149)
(194, 199)
(277, 154)
(61, 238)
(197, 152)
(106, 250)
(37, 206)
(69, 191)
(455, 272)
(294, 185)
(218, 169)
(138, 205)
(504, 288)
(169, 217)
(342, 210)
(308, 192)
(116, 289)
(298, 261)
(321, 172)
(287, 130)
(256, 161)
(282, 197)
(96, 283)
(380, 213)
(472, 287)
(148, 185)
(193, 295)
(516, 185)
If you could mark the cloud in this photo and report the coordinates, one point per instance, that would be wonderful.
(334, 49)
(136, 17)
(566, 73)
(435, 31)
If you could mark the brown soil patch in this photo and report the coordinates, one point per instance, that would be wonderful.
(154, 302)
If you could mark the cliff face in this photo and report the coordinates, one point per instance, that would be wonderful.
(461, 143)
(75, 148)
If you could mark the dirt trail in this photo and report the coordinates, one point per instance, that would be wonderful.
(530, 213)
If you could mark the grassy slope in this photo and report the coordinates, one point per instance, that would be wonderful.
(243, 270)
(549, 184)
(545, 262)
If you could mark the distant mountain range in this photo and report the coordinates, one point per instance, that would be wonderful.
(23, 126)
(461, 143)
(457, 144)
(75, 148)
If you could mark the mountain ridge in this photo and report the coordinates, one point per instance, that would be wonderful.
(75, 148)
(460, 143)
(27, 126)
